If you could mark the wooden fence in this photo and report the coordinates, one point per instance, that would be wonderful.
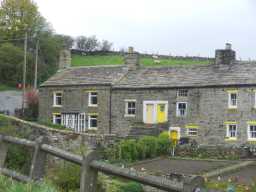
(90, 166)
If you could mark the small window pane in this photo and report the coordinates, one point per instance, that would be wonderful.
(252, 131)
(182, 93)
(131, 108)
(192, 131)
(93, 121)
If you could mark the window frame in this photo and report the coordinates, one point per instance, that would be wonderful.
(249, 132)
(230, 105)
(189, 131)
(180, 93)
(178, 114)
(54, 118)
(228, 133)
(90, 104)
(127, 101)
(55, 98)
(89, 121)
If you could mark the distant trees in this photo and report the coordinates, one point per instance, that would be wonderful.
(18, 17)
(89, 44)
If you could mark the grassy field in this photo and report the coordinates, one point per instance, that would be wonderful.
(5, 87)
(79, 60)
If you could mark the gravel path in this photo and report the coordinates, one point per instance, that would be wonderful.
(10, 100)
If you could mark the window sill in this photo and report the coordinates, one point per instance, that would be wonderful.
(231, 139)
(93, 128)
(254, 139)
(192, 135)
(92, 105)
(132, 116)
(57, 106)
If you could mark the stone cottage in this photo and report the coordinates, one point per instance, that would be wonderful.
(213, 104)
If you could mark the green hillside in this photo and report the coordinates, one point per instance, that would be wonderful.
(91, 60)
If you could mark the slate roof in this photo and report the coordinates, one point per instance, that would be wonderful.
(190, 76)
(155, 77)
(98, 75)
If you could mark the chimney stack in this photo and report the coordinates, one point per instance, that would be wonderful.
(64, 59)
(225, 56)
(132, 59)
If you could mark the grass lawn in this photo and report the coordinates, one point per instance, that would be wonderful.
(5, 87)
(91, 60)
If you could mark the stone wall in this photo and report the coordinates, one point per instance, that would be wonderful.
(63, 139)
(207, 109)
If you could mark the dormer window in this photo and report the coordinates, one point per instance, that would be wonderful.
(182, 93)
(93, 99)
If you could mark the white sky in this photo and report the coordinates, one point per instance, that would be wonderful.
(179, 27)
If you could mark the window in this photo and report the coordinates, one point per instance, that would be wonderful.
(93, 122)
(182, 93)
(130, 107)
(56, 119)
(155, 112)
(192, 131)
(232, 100)
(181, 109)
(252, 132)
(75, 121)
(231, 131)
(57, 99)
(93, 99)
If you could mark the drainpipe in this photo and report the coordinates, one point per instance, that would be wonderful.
(110, 110)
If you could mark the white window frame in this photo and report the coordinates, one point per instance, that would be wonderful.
(90, 99)
(89, 121)
(178, 114)
(249, 133)
(192, 130)
(127, 101)
(180, 93)
(254, 98)
(230, 105)
(155, 103)
(228, 135)
(54, 118)
(55, 98)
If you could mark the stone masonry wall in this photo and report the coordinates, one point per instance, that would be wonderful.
(207, 108)
(75, 99)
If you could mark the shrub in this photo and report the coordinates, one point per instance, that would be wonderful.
(32, 105)
(163, 143)
(128, 150)
(147, 146)
(66, 176)
(18, 158)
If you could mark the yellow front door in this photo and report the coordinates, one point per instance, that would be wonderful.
(150, 113)
(161, 113)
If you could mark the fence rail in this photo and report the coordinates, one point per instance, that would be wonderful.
(90, 166)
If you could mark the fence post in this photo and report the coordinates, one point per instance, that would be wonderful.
(88, 175)
(37, 168)
(3, 151)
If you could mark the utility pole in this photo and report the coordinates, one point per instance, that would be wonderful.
(24, 72)
(36, 64)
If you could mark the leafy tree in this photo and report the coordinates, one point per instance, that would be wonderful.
(87, 44)
(18, 17)
(106, 45)
(11, 59)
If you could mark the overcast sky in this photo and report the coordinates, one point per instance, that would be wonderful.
(179, 27)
